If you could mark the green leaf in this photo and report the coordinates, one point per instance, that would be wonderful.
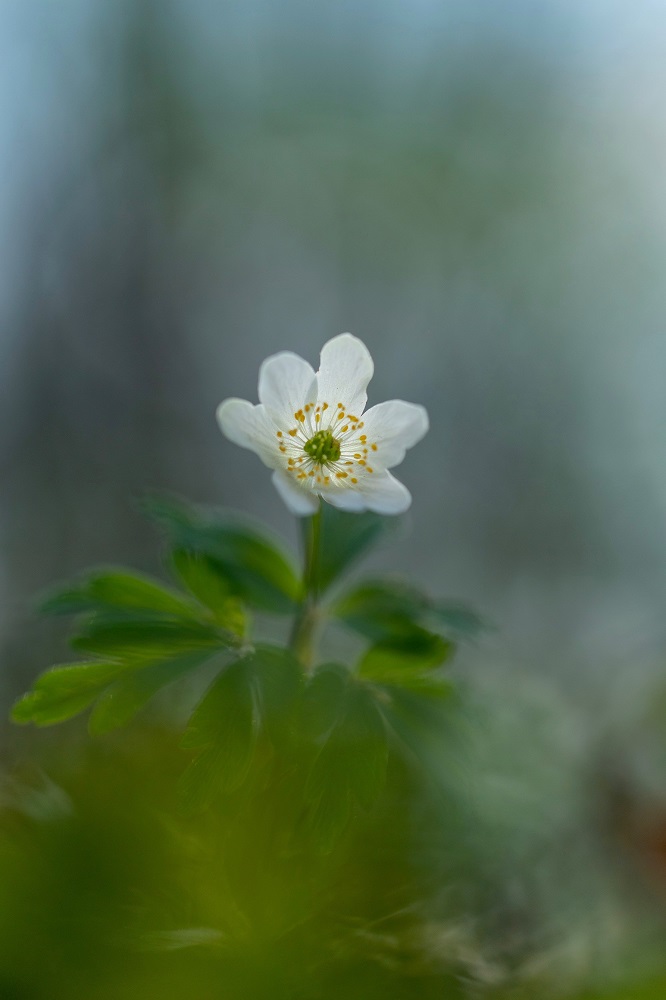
(456, 620)
(120, 701)
(144, 640)
(345, 538)
(405, 660)
(323, 699)
(278, 680)
(239, 550)
(211, 587)
(64, 691)
(350, 767)
(120, 590)
(383, 610)
(46, 711)
(223, 729)
(419, 717)
(258, 692)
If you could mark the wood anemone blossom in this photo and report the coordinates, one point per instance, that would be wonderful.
(312, 429)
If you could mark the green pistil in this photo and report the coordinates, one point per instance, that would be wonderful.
(322, 448)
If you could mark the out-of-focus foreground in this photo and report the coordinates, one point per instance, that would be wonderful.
(475, 189)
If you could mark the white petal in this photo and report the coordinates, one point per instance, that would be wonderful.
(345, 499)
(300, 501)
(345, 370)
(384, 494)
(286, 384)
(249, 427)
(394, 427)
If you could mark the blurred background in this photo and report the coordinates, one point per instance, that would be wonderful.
(474, 188)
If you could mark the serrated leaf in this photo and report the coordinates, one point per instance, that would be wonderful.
(241, 551)
(350, 766)
(323, 699)
(344, 538)
(144, 640)
(404, 660)
(34, 707)
(223, 728)
(278, 680)
(363, 730)
(120, 590)
(457, 620)
(211, 587)
(330, 811)
(71, 678)
(382, 610)
(258, 692)
(418, 717)
(64, 691)
(120, 701)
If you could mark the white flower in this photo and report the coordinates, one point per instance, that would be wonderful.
(314, 432)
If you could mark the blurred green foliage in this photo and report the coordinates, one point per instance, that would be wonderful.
(286, 788)
(311, 832)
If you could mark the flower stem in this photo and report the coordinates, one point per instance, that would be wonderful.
(305, 623)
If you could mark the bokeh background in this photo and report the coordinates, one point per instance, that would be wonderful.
(474, 188)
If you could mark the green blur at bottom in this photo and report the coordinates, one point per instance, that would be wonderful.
(108, 891)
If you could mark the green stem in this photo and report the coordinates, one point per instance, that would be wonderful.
(305, 623)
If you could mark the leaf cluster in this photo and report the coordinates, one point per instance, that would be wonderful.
(336, 723)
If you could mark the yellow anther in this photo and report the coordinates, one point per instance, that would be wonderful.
(324, 406)
(357, 454)
(369, 469)
(294, 432)
(317, 417)
(374, 447)
(341, 406)
(352, 480)
(282, 448)
(279, 434)
(353, 418)
(363, 438)
(345, 428)
(341, 475)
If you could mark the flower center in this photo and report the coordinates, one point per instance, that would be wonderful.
(322, 448)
